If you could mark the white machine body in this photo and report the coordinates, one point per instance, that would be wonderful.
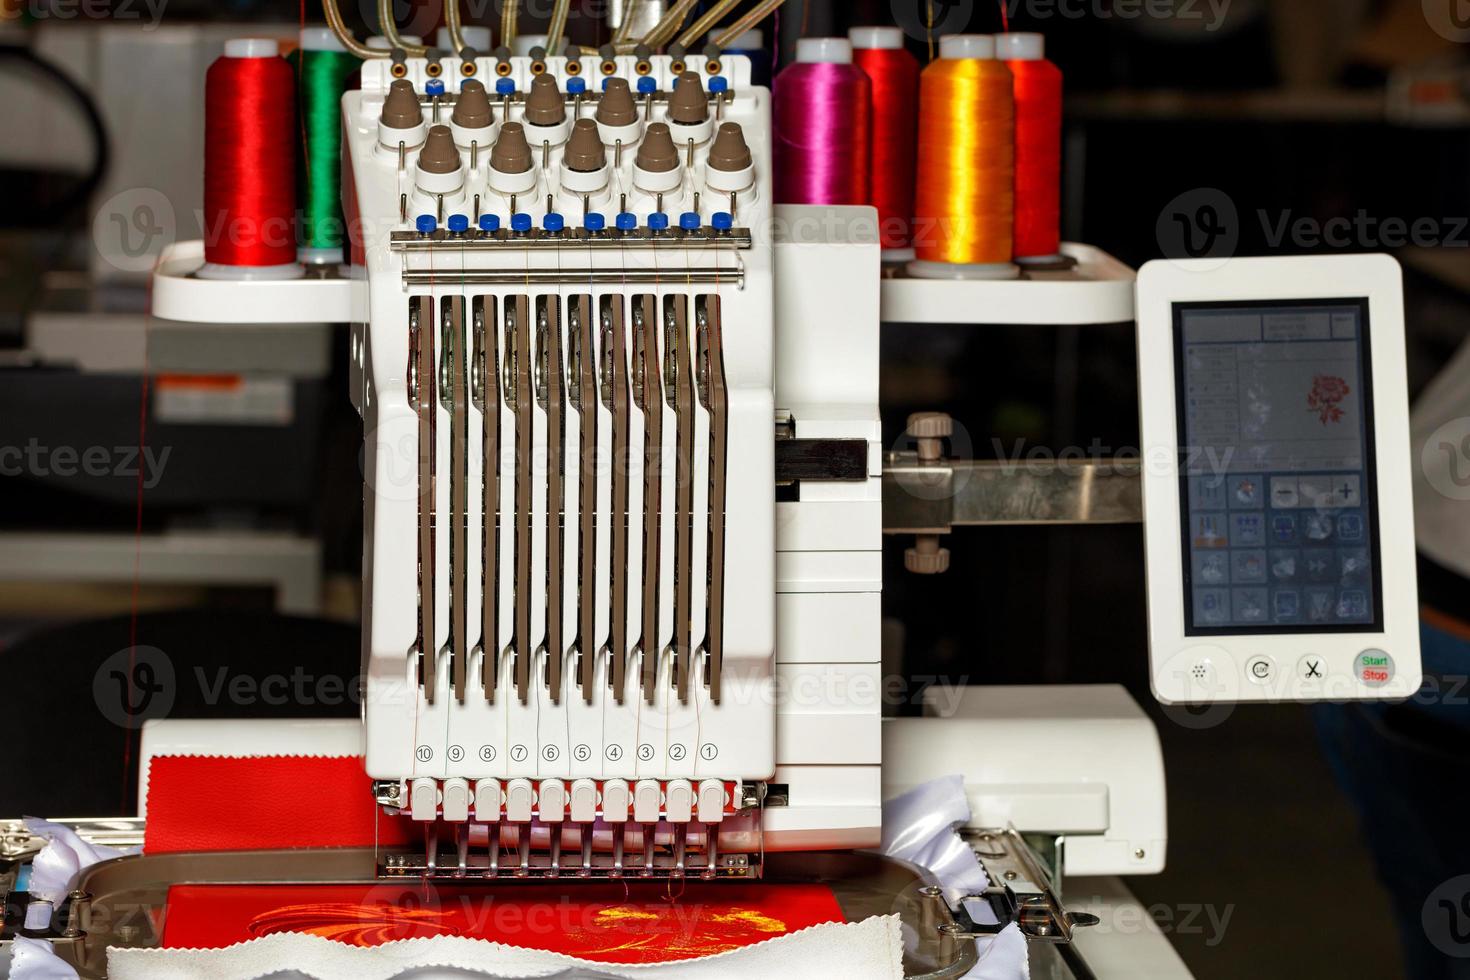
(1276, 482)
(1077, 762)
(712, 701)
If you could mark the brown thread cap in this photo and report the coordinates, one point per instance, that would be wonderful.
(439, 155)
(401, 107)
(729, 152)
(658, 154)
(512, 154)
(616, 107)
(585, 153)
(687, 104)
(544, 106)
(472, 110)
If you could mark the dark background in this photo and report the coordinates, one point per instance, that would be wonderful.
(1158, 113)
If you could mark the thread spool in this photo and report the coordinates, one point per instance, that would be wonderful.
(823, 119)
(249, 164)
(894, 75)
(1038, 90)
(964, 201)
(380, 43)
(752, 44)
(325, 68)
(475, 35)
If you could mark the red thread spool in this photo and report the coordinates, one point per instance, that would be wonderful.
(250, 164)
(1038, 147)
(894, 74)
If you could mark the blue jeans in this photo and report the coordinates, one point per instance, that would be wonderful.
(1406, 768)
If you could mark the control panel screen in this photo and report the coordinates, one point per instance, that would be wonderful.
(1277, 478)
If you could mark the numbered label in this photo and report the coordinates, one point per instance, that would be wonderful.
(487, 753)
(708, 751)
(519, 753)
(425, 753)
(645, 752)
(582, 752)
(614, 753)
(456, 753)
(550, 753)
(677, 751)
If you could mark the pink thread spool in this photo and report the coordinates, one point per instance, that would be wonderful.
(823, 121)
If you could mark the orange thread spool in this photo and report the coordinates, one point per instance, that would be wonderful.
(965, 193)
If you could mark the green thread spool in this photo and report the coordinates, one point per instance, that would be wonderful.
(324, 68)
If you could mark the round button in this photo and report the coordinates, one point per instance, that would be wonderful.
(459, 223)
(722, 221)
(553, 222)
(627, 221)
(1374, 668)
(647, 85)
(576, 86)
(593, 221)
(520, 223)
(433, 87)
(426, 223)
(658, 221)
(505, 86)
(689, 221)
(1312, 668)
(489, 222)
(1260, 669)
(718, 84)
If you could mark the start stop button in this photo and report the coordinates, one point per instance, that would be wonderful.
(1374, 668)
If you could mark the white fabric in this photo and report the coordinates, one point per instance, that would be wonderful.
(867, 950)
(53, 869)
(1439, 428)
(35, 959)
(919, 827)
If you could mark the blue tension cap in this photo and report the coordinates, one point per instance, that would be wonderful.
(489, 222)
(627, 222)
(594, 221)
(689, 221)
(425, 224)
(647, 85)
(605, 82)
(722, 221)
(658, 221)
(576, 86)
(458, 223)
(719, 84)
(520, 222)
(505, 86)
(553, 222)
(433, 87)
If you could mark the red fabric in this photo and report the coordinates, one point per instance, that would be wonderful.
(201, 803)
(611, 923)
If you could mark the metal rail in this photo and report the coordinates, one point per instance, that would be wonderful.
(934, 498)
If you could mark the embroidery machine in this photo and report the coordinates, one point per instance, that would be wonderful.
(626, 493)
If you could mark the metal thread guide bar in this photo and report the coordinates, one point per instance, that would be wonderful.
(475, 240)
